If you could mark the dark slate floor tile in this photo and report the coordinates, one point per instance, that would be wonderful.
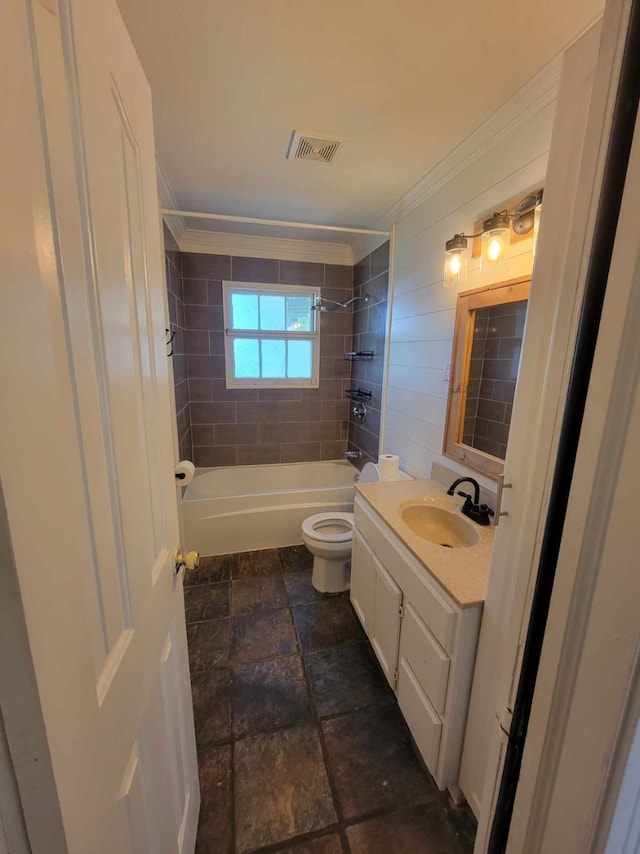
(269, 694)
(211, 693)
(207, 602)
(326, 623)
(373, 763)
(209, 644)
(263, 593)
(321, 845)
(215, 828)
(211, 569)
(344, 678)
(250, 564)
(300, 590)
(295, 559)
(461, 819)
(281, 788)
(421, 828)
(263, 635)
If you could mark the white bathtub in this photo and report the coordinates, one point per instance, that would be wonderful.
(241, 508)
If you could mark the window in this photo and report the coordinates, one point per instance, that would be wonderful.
(271, 336)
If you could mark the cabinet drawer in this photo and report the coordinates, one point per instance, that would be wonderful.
(412, 578)
(428, 661)
(423, 722)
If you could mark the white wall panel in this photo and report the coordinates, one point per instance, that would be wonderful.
(423, 312)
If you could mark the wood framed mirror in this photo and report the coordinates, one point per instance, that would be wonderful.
(487, 344)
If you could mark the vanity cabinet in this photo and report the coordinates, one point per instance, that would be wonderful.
(425, 642)
(377, 600)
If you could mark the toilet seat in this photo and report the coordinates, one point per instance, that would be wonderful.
(313, 526)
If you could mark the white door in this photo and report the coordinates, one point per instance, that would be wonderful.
(86, 447)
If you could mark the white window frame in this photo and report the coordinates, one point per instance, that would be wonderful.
(231, 334)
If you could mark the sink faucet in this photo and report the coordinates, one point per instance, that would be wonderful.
(477, 512)
(476, 488)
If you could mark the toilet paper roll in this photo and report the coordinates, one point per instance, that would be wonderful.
(388, 466)
(184, 472)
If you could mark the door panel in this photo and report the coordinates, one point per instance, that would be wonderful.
(89, 481)
(385, 636)
(363, 581)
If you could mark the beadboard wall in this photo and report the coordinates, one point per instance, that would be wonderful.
(423, 311)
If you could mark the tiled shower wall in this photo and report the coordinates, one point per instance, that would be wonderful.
(371, 276)
(247, 426)
(179, 359)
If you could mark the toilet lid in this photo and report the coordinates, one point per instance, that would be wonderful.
(330, 527)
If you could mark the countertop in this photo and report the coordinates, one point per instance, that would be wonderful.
(462, 572)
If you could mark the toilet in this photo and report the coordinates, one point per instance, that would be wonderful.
(328, 538)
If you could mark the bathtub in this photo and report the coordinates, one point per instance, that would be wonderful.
(241, 508)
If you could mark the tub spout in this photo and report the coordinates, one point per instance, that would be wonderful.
(352, 455)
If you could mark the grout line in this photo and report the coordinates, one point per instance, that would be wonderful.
(338, 828)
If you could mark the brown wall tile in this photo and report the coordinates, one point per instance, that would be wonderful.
(249, 426)
(253, 455)
(215, 456)
(254, 270)
(371, 276)
(301, 273)
(236, 434)
(300, 452)
(198, 265)
(213, 413)
(338, 276)
(283, 432)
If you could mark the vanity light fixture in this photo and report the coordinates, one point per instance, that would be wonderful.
(496, 239)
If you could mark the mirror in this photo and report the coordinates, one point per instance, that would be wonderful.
(487, 345)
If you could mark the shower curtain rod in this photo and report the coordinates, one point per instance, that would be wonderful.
(281, 222)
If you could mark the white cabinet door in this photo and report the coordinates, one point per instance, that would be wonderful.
(86, 448)
(385, 633)
(377, 601)
(363, 581)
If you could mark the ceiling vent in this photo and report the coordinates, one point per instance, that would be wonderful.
(311, 145)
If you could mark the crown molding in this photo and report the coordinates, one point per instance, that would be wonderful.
(176, 224)
(254, 246)
(540, 91)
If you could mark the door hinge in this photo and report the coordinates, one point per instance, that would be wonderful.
(401, 611)
(395, 678)
(506, 716)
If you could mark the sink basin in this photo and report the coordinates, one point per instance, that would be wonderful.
(439, 526)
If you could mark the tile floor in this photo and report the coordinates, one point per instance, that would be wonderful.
(301, 746)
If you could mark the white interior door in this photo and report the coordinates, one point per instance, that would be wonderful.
(87, 456)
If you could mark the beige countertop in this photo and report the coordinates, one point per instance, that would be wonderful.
(462, 572)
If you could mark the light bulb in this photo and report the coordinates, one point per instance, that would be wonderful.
(495, 244)
(494, 250)
(455, 261)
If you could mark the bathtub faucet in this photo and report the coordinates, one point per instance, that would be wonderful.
(352, 455)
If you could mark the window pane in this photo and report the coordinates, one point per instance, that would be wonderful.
(271, 312)
(273, 357)
(299, 359)
(246, 358)
(299, 314)
(244, 311)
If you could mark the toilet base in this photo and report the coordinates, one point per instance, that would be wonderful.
(331, 576)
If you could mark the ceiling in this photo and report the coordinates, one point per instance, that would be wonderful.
(404, 82)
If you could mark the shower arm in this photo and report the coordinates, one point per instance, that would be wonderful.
(320, 303)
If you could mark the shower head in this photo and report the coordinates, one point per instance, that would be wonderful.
(324, 304)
